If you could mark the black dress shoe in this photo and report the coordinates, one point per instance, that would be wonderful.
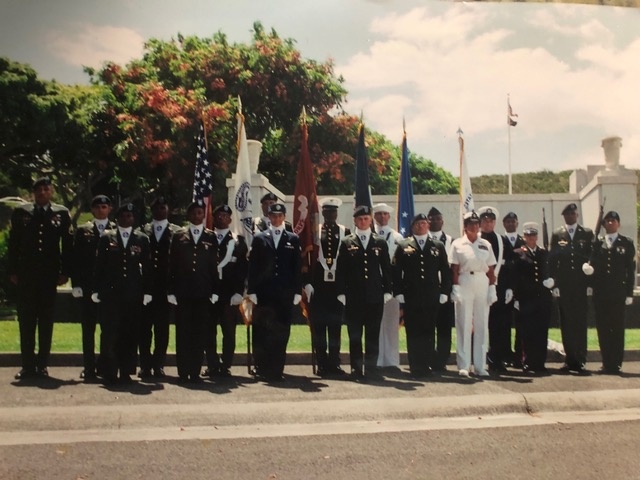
(224, 372)
(337, 370)
(42, 372)
(25, 373)
(159, 373)
(125, 379)
(357, 373)
(565, 368)
(144, 373)
(582, 371)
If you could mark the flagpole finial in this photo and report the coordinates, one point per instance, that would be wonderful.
(304, 115)
(361, 116)
(404, 125)
(460, 132)
(239, 105)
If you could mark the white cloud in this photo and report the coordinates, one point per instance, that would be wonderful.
(92, 45)
(455, 67)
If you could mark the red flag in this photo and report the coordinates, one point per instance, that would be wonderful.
(305, 203)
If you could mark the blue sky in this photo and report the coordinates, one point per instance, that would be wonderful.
(572, 71)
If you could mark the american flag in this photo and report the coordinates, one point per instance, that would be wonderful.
(202, 178)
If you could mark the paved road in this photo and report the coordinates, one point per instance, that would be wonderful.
(306, 426)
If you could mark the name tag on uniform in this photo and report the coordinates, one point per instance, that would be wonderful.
(329, 276)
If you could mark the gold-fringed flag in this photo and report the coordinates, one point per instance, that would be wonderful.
(242, 220)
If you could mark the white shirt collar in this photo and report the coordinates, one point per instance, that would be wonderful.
(363, 235)
(421, 239)
(196, 231)
(220, 234)
(160, 223)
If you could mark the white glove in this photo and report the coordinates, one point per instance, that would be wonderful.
(214, 298)
(308, 291)
(587, 269)
(95, 298)
(443, 298)
(516, 305)
(342, 299)
(76, 292)
(296, 298)
(146, 300)
(236, 299)
(589, 291)
(456, 294)
(628, 300)
(556, 292)
(492, 296)
(400, 298)
(172, 299)
(508, 296)
(387, 297)
(253, 298)
(548, 283)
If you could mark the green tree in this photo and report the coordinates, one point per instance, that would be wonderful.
(46, 128)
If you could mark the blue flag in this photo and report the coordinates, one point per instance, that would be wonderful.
(363, 194)
(405, 193)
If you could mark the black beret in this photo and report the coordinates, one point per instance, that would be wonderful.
(159, 201)
(362, 210)
(222, 208)
(434, 212)
(612, 215)
(126, 207)
(420, 216)
(572, 207)
(510, 215)
(195, 204)
(100, 200)
(277, 208)
(269, 196)
(41, 181)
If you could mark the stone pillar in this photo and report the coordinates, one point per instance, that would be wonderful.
(611, 146)
(255, 148)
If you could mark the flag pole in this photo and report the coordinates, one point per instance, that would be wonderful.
(461, 188)
(509, 136)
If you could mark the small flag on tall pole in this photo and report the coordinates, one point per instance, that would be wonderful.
(511, 122)
(242, 221)
(202, 178)
(405, 190)
(466, 195)
(363, 192)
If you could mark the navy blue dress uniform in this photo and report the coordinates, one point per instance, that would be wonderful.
(613, 262)
(192, 281)
(262, 224)
(39, 250)
(155, 320)
(570, 247)
(363, 277)
(122, 277)
(327, 313)
(530, 273)
(231, 267)
(85, 246)
(274, 279)
(512, 242)
(421, 275)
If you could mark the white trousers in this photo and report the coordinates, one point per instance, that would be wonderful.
(472, 317)
(388, 353)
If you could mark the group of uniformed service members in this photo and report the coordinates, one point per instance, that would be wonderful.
(128, 279)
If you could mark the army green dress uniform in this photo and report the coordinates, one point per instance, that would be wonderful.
(122, 277)
(570, 247)
(39, 250)
(193, 282)
(421, 275)
(85, 246)
(156, 316)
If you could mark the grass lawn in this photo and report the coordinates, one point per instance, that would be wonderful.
(67, 338)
